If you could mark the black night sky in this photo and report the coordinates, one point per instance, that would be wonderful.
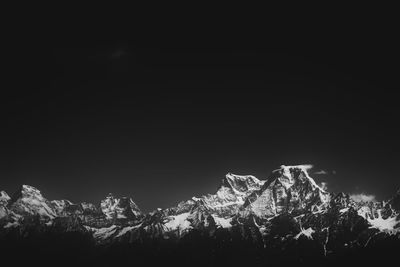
(162, 118)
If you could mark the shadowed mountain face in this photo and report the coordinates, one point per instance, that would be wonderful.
(287, 218)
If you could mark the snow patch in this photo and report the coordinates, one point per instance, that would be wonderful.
(363, 212)
(222, 222)
(384, 225)
(11, 224)
(306, 232)
(344, 210)
(103, 233)
(38, 206)
(127, 229)
(179, 222)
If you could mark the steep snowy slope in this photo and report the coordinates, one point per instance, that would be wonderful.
(290, 189)
(29, 201)
(119, 208)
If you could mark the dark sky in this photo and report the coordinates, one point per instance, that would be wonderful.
(164, 118)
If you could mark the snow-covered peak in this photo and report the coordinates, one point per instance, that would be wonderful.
(242, 183)
(231, 195)
(299, 172)
(119, 208)
(27, 192)
(224, 203)
(297, 179)
(30, 191)
(4, 197)
(288, 189)
(29, 200)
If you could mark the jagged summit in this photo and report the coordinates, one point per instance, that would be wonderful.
(230, 196)
(119, 208)
(28, 191)
(29, 200)
(241, 183)
(297, 173)
(288, 189)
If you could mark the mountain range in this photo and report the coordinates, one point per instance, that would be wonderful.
(286, 214)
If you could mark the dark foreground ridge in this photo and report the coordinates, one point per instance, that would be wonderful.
(286, 219)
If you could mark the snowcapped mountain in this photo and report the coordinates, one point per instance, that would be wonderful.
(284, 210)
(119, 208)
(290, 189)
(232, 194)
(29, 201)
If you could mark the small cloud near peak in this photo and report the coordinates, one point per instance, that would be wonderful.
(363, 197)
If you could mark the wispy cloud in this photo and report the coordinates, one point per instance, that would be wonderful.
(321, 172)
(363, 197)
